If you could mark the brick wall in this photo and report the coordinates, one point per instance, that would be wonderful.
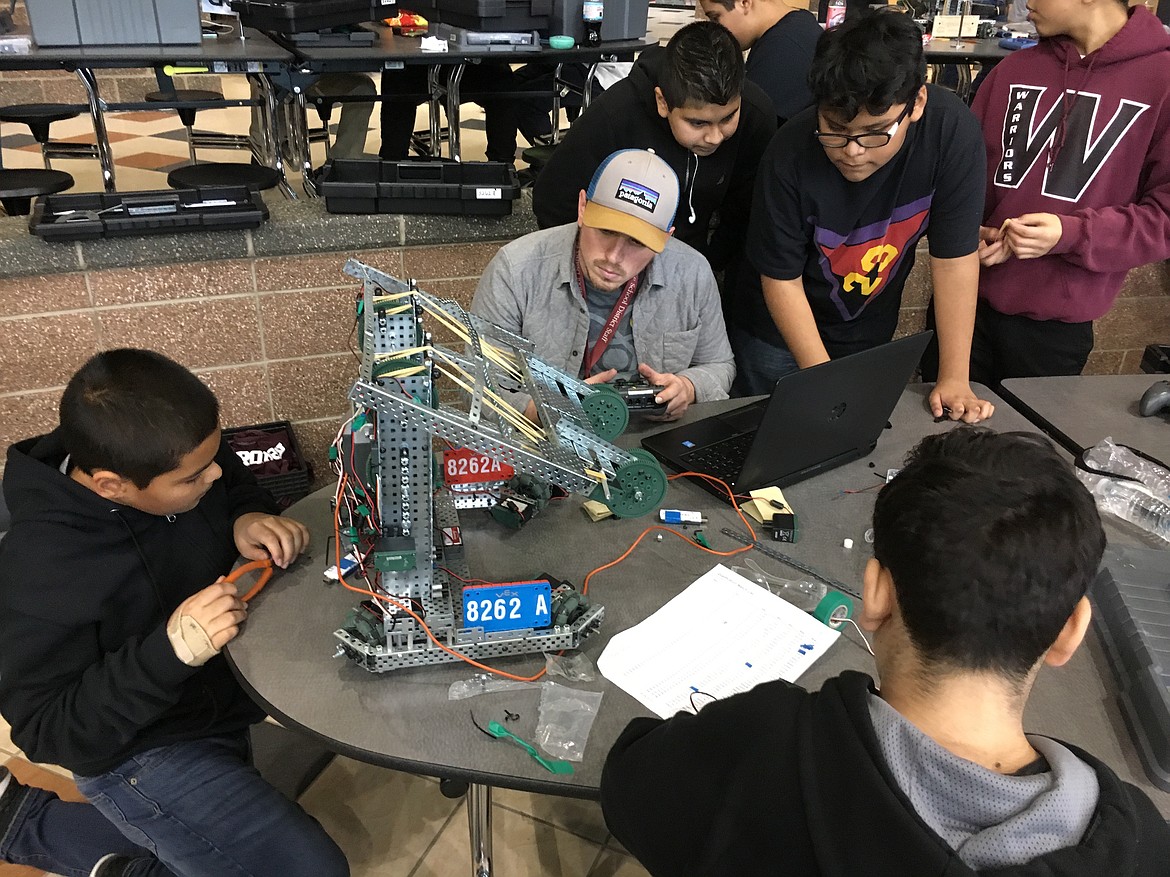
(61, 86)
(269, 335)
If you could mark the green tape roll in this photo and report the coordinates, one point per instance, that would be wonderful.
(833, 610)
(560, 41)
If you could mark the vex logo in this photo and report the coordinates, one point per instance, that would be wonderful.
(1087, 145)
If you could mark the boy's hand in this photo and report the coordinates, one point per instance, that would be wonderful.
(955, 400)
(993, 248)
(1033, 235)
(205, 622)
(259, 536)
(678, 393)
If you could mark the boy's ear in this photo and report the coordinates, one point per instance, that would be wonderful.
(1071, 635)
(663, 109)
(919, 105)
(877, 596)
(109, 485)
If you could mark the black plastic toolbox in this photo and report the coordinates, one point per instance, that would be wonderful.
(1131, 608)
(89, 215)
(272, 454)
(297, 16)
(489, 15)
(485, 188)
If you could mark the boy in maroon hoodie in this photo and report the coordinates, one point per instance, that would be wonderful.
(1078, 183)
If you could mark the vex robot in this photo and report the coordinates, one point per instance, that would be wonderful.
(397, 517)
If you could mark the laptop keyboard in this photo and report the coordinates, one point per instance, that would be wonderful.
(722, 459)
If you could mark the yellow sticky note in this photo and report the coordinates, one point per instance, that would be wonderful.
(597, 511)
(760, 505)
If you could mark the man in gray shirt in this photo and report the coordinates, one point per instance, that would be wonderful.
(614, 295)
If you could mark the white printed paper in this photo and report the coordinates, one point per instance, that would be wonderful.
(724, 634)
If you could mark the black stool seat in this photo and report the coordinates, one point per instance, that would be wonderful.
(186, 114)
(38, 117)
(223, 173)
(18, 186)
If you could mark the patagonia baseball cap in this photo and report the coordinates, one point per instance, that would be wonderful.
(636, 193)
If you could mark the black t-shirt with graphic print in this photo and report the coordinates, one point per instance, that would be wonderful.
(853, 243)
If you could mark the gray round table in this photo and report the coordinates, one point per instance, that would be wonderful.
(403, 719)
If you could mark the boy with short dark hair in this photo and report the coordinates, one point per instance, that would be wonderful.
(1078, 183)
(780, 41)
(845, 191)
(689, 103)
(113, 611)
(984, 547)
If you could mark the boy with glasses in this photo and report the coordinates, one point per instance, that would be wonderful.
(843, 194)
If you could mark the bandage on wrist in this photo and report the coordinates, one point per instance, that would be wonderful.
(190, 641)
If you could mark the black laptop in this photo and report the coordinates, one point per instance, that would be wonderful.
(816, 419)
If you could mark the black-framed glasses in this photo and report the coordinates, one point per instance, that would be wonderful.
(868, 140)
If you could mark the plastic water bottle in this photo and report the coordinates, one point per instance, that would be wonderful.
(1139, 507)
(835, 14)
(592, 12)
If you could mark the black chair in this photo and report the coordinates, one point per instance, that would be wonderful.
(18, 186)
(211, 173)
(38, 118)
(207, 139)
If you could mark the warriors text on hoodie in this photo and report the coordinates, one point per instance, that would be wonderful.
(1089, 140)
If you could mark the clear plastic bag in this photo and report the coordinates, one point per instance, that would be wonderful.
(1108, 456)
(566, 717)
(484, 683)
(802, 593)
(576, 667)
(1142, 502)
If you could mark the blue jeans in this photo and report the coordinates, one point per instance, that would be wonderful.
(63, 836)
(758, 363)
(197, 809)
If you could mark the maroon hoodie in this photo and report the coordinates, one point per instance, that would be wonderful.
(1099, 158)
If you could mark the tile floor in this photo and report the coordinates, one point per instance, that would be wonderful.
(394, 824)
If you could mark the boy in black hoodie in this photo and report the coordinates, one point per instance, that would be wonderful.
(984, 546)
(113, 611)
(689, 103)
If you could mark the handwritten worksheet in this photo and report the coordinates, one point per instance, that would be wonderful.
(722, 635)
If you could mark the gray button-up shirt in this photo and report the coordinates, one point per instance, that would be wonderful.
(530, 288)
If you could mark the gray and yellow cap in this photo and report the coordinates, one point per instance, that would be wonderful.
(636, 193)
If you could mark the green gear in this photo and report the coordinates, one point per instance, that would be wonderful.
(607, 412)
(639, 488)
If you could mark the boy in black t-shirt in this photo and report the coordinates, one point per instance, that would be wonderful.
(782, 39)
(843, 194)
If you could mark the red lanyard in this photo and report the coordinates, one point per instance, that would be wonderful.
(615, 316)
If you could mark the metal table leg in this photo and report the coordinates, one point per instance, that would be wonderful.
(268, 119)
(453, 110)
(479, 825)
(97, 113)
(435, 90)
